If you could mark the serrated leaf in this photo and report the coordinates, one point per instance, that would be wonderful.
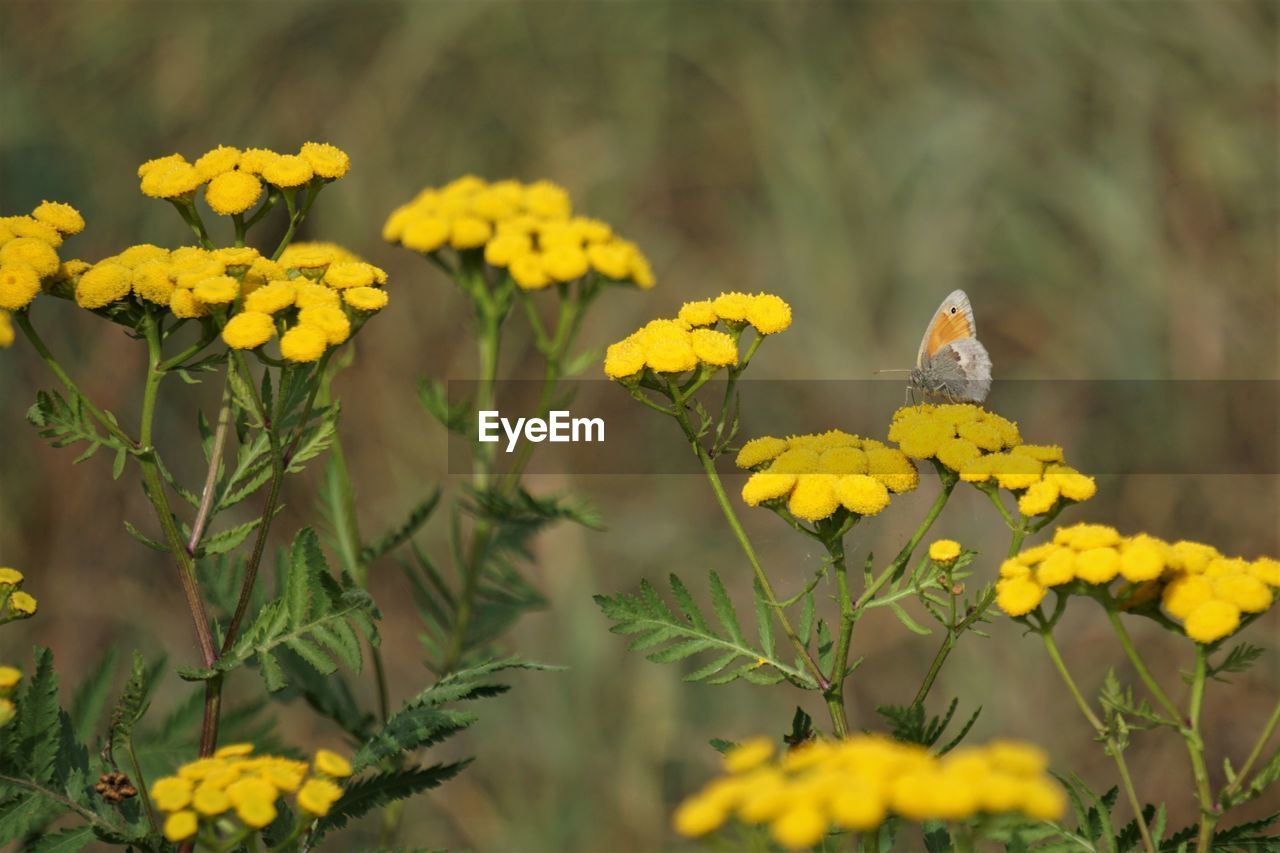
(137, 534)
(225, 541)
(397, 536)
(372, 792)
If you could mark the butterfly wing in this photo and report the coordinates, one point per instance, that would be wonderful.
(959, 372)
(953, 321)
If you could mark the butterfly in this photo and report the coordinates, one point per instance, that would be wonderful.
(952, 365)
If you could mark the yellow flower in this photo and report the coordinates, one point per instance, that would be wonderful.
(6, 330)
(843, 460)
(768, 314)
(1058, 568)
(1266, 570)
(210, 800)
(699, 313)
(732, 307)
(171, 793)
(159, 163)
(814, 497)
(232, 192)
(766, 486)
(670, 351)
(62, 217)
(19, 284)
(303, 344)
(565, 263)
(714, 348)
(9, 678)
(425, 234)
(1212, 621)
(150, 281)
(1244, 591)
(326, 161)
(610, 259)
(944, 551)
(748, 755)
(287, 170)
(234, 750)
(920, 438)
(1142, 558)
(698, 816)
(1014, 471)
(9, 578)
(180, 826)
(758, 450)
(270, 298)
(528, 272)
(1097, 565)
(1185, 593)
(506, 247)
(317, 796)
(800, 826)
(217, 290)
(349, 274)
(185, 306)
(1084, 536)
(548, 200)
(249, 330)
(1193, 557)
(367, 299)
(862, 494)
(641, 272)
(103, 284)
(32, 252)
(312, 256)
(22, 603)
(7, 712)
(1018, 596)
(219, 161)
(893, 468)
(623, 359)
(12, 227)
(1038, 499)
(469, 232)
(171, 180)
(332, 764)
(328, 319)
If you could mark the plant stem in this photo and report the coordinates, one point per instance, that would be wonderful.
(1260, 744)
(1195, 750)
(1140, 665)
(848, 616)
(211, 476)
(108, 423)
(141, 782)
(1112, 747)
(713, 476)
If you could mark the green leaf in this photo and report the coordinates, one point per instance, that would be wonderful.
(1239, 659)
(63, 423)
(675, 637)
(315, 617)
(397, 536)
(316, 438)
(225, 541)
(409, 729)
(373, 792)
(67, 841)
(455, 417)
(137, 534)
(133, 701)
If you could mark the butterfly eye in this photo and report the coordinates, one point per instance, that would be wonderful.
(953, 309)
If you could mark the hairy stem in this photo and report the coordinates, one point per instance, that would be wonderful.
(211, 476)
(1195, 750)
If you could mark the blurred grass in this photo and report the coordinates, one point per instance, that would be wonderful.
(1101, 178)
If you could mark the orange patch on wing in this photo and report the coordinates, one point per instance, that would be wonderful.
(947, 328)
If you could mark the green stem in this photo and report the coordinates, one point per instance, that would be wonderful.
(108, 423)
(1228, 794)
(1113, 748)
(1195, 750)
(1140, 665)
(141, 782)
(296, 216)
(848, 616)
(713, 476)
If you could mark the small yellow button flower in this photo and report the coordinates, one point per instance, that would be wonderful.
(332, 764)
(699, 313)
(469, 232)
(233, 192)
(714, 348)
(303, 344)
(171, 793)
(944, 551)
(23, 604)
(249, 330)
(32, 252)
(367, 299)
(425, 233)
(698, 816)
(749, 755)
(732, 306)
(799, 827)
(181, 826)
(814, 497)
(768, 314)
(317, 796)
(1018, 596)
(760, 450)
(326, 161)
(611, 260)
(170, 181)
(9, 678)
(8, 711)
(210, 800)
(272, 297)
(287, 171)
(862, 494)
(6, 330)
(62, 217)
(766, 486)
(19, 285)
(528, 272)
(329, 319)
(219, 161)
(217, 290)
(1212, 620)
(103, 284)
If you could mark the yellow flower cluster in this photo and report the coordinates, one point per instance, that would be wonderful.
(1198, 586)
(14, 603)
(819, 474)
(857, 783)
(29, 255)
(529, 230)
(944, 551)
(983, 447)
(311, 296)
(690, 340)
(9, 678)
(233, 180)
(234, 781)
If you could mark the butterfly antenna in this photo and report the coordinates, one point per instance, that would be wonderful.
(892, 370)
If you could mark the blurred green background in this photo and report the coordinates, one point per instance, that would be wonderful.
(1100, 177)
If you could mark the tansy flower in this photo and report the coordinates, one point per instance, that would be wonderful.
(699, 313)
(19, 284)
(287, 171)
(22, 604)
(32, 252)
(9, 678)
(303, 344)
(944, 551)
(170, 180)
(366, 299)
(768, 314)
(329, 319)
(217, 290)
(317, 796)
(180, 826)
(469, 232)
(249, 330)
(623, 359)
(217, 162)
(732, 307)
(714, 348)
(254, 160)
(102, 284)
(61, 217)
(610, 259)
(350, 274)
(308, 295)
(28, 226)
(6, 330)
(331, 763)
(233, 192)
(326, 161)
